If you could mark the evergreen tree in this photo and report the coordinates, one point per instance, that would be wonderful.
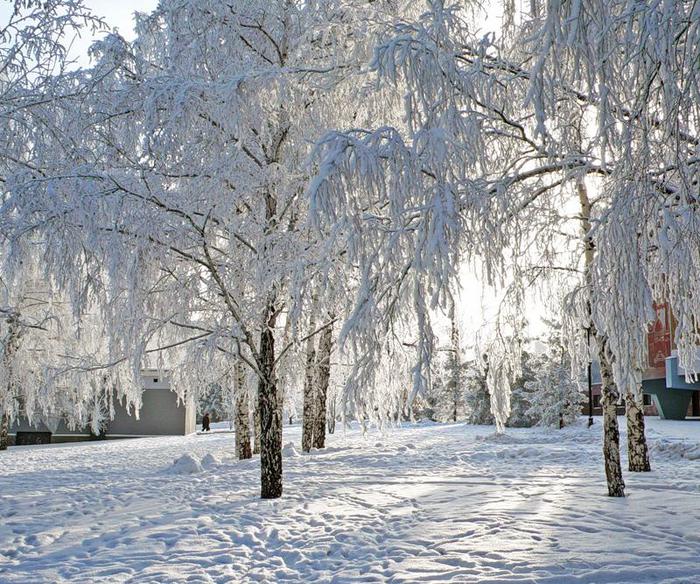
(213, 402)
(446, 400)
(554, 395)
(521, 413)
(477, 396)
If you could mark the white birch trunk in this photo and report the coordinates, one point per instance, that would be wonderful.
(637, 450)
(611, 432)
(270, 412)
(242, 417)
(610, 395)
(309, 398)
(323, 375)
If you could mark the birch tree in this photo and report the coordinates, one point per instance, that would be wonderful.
(310, 377)
(174, 189)
(646, 114)
(323, 376)
(34, 47)
(455, 385)
(475, 169)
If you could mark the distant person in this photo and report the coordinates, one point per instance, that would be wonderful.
(205, 423)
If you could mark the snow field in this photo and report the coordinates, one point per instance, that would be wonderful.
(422, 503)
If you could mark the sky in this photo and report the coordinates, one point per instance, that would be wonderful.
(117, 13)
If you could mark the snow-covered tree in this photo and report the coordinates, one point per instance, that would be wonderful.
(446, 396)
(445, 402)
(34, 45)
(521, 414)
(555, 394)
(646, 113)
(477, 395)
(174, 187)
(496, 143)
(555, 398)
(454, 372)
(214, 402)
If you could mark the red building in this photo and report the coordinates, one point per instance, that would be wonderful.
(666, 391)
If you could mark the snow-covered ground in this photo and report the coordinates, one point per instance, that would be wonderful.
(415, 504)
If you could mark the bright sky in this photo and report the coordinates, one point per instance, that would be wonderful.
(117, 13)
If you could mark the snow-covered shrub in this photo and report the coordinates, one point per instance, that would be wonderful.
(290, 451)
(209, 460)
(186, 464)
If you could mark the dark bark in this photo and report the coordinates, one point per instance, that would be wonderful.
(611, 432)
(309, 406)
(331, 417)
(637, 449)
(243, 449)
(256, 427)
(270, 413)
(4, 431)
(323, 375)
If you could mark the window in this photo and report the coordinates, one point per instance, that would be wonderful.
(155, 380)
(647, 399)
(596, 401)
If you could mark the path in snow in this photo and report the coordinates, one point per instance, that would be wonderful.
(417, 504)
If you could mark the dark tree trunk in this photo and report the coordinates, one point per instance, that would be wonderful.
(9, 350)
(611, 432)
(256, 427)
(270, 413)
(454, 383)
(331, 417)
(309, 407)
(243, 450)
(323, 372)
(4, 431)
(637, 450)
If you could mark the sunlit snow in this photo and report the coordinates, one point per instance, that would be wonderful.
(420, 503)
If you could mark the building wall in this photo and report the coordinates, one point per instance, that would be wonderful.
(191, 418)
(161, 414)
(649, 407)
(667, 392)
(58, 430)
